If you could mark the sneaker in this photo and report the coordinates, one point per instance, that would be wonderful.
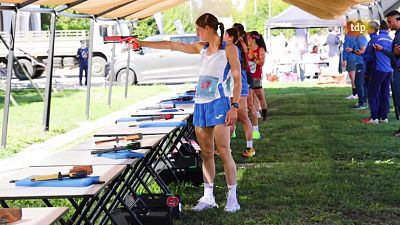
(365, 120)
(250, 152)
(205, 203)
(258, 115)
(351, 97)
(232, 205)
(383, 120)
(360, 107)
(371, 121)
(233, 134)
(256, 135)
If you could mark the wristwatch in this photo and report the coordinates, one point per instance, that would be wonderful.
(235, 105)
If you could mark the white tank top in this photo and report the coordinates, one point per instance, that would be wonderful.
(214, 76)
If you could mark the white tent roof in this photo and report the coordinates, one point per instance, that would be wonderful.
(133, 9)
(293, 17)
(326, 9)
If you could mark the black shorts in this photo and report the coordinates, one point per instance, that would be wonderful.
(250, 80)
(257, 84)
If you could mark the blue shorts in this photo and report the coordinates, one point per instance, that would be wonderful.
(351, 66)
(212, 113)
(245, 85)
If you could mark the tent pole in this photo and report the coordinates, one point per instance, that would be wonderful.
(49, 76)
(112, 75)
(89, 75)
(269, 27)
(7, 93)
(127, 73)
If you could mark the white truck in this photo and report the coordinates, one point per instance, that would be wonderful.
(31, 48)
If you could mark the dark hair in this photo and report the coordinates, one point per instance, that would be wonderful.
(383, 26)
(242, 33)
(208, 19)
(393, 13)
(259, 39)
(233, 32)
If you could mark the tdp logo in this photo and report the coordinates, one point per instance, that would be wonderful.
(358, 27)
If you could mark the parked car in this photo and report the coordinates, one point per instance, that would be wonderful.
(159, 66)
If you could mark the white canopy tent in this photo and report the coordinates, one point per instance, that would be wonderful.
(294, 17)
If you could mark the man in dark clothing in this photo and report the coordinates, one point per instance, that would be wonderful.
(82, 55)
(393, 21)
(380, 80)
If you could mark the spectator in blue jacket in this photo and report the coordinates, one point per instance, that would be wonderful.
(82, 55)
(369, 56)
(379, 86)
(393, 21)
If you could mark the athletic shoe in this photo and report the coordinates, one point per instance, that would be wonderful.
(259, 115)
(365, 120)
(397, 133)
(360, 107)
(233, 134)
(250, 152)
(232, 205)
(205, 203)
(256, 135)
(351, 97)
(371, 121)
(384, 121)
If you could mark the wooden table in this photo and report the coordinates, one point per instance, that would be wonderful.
(41, 216)
(87, 195)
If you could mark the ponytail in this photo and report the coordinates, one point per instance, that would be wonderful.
(234, 33)
(221, 29)
(259, 39)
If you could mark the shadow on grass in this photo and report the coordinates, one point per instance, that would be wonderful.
(28, 96)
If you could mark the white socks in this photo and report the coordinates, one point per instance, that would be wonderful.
(249, 144)
(232, 191)
(255, 128)
(209, 190)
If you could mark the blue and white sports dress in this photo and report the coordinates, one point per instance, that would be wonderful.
(213, 88)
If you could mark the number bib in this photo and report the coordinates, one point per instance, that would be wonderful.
(207, 87)
(253, 66)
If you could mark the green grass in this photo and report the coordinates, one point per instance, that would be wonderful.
(67, 112)
(316, 165)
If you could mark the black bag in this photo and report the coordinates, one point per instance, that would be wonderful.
(150, 209)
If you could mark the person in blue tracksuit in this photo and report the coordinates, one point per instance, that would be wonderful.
(369, 56)
(379, 87)
(393, 21)
(82, 55)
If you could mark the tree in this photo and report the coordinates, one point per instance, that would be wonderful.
(65, 23)
(256, 21)
(146, 27)
(181, 13)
